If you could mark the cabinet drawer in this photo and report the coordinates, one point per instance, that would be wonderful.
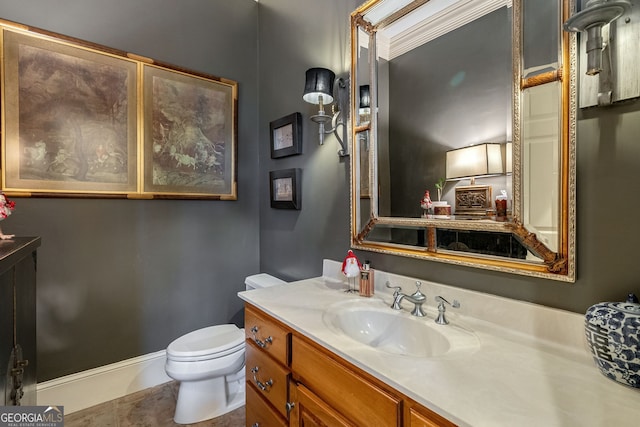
(361, 401)
(267, 335)
(271, 380)
(258, 411)
(422, 417)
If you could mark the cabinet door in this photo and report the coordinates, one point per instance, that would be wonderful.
(310, 411)
(6, 331)
(341, 387)
(25, 294)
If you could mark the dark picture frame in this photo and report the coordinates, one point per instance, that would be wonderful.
(286, 136)
(285, 189)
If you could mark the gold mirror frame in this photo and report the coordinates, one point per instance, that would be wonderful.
(554, 265)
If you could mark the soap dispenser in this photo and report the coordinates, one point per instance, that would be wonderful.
(366, 280)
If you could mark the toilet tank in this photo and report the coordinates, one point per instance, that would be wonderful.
(262, 280)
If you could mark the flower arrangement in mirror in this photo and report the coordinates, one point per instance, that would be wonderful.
(440, 186)
(441, 209)
(6, 206)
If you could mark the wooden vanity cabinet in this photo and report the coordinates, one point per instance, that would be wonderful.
(322, 389)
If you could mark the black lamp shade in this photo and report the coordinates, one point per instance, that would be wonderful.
(365, 96)
(319, 82)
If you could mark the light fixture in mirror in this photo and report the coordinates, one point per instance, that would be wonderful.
(475, 161)
(364, 104)
(414, 129)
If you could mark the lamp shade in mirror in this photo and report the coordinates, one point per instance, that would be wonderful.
(319, 86)
(474, 161)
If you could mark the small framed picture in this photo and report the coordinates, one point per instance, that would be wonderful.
(285, 189)
(286, 136)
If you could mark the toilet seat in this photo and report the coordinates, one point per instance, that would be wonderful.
(207, 343)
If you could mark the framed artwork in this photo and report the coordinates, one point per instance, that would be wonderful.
(71, 119)
(285, 189)
(286, 136)
(189, 135)
(83, 120)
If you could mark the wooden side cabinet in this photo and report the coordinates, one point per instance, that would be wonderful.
(300, 383)
(18, 263)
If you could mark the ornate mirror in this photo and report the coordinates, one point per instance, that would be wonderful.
(463, 135)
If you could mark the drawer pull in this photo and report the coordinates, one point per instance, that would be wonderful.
(290, 406)
(260, 343)
(262, 386)
(255, 425)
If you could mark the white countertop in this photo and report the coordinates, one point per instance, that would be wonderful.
(514, 378)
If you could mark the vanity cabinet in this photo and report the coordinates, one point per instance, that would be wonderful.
(18, 321)
(301, 383)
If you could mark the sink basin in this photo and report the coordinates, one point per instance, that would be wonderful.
(374, 323)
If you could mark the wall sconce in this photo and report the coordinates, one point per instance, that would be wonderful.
(471, 163)
(318, 89)
(594, 15)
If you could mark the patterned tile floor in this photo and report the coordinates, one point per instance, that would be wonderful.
(152, 407)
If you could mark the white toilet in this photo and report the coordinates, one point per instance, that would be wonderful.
(209, 363)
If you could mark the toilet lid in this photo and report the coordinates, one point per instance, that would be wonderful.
(207, 341)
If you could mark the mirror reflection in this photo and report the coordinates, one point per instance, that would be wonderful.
(435, 136)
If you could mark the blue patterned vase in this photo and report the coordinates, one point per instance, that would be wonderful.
(613, 335)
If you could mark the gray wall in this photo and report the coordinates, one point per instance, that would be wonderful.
(121, 278)
(295, 35)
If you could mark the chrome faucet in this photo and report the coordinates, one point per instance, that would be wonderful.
(441, 319)
(417, 298)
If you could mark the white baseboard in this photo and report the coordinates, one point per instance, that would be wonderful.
(88, 388)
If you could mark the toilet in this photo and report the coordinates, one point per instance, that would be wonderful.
(209, 364)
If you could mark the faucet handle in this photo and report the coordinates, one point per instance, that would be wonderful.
(442, 300)
(441, 319)
(397, 288)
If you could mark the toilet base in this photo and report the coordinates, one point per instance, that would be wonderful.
(201, 400)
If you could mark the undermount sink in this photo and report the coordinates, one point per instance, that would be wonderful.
(374, 323)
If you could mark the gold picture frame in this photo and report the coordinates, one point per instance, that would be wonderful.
(189, 135)
(84, 120)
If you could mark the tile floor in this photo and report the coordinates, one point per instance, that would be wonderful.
(152, 407)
